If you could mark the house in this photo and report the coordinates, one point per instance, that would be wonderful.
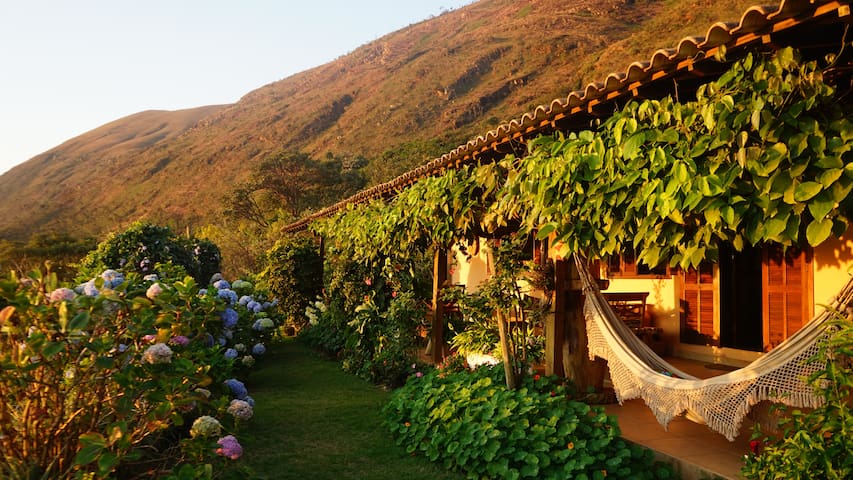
(728, 312)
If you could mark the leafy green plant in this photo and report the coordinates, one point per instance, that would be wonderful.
(294, 274)
(469, 422)
(814, 443)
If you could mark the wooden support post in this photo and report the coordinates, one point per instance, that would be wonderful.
(439, 275)
(555, 324)
(585, 373)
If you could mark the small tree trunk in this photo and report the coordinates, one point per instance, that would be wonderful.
(509, 371)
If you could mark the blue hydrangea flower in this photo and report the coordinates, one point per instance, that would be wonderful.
(229, 318)
(222, 341)
(245, 299)
(202, 292)
(112, 278)
(238, 389)
(259, 349)
(222, 284)
(229, 296)
(250, 401)
(89, 289)
(230, 354)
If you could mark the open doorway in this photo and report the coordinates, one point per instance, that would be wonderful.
(741, 299)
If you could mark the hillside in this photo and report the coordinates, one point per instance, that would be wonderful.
(418, 92)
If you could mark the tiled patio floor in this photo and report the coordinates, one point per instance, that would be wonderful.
(701, 452)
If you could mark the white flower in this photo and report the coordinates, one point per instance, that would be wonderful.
(158, 353)
(240, 409)
(205, 426)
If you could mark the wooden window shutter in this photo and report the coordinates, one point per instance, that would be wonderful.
(698, 305)
(787, 293)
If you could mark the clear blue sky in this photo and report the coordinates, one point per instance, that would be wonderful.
(67, 67)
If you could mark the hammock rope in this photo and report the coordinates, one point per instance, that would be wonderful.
(721, 402)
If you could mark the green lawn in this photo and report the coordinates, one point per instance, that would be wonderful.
(313, 421)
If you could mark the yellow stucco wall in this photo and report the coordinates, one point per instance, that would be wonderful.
(833, 265)
(471, 271)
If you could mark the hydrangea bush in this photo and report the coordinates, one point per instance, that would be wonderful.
(119, 372)
(142, 246)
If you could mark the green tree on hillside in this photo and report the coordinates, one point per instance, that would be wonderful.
(287, 184)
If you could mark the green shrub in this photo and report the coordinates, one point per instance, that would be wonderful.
(142, 246)
(815, 443)
(294, 274)
(471, 422)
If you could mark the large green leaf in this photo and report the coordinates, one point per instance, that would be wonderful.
(806, 190)
(821, 205)
(818, 231)
(632, 146)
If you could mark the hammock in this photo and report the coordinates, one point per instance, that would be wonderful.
(720, 402)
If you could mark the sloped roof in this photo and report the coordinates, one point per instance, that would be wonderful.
(815, 26)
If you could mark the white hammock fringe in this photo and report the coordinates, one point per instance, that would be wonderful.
(721, 402)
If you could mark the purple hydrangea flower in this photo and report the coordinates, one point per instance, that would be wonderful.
(229, 447)
(229, 318)
(180, 340)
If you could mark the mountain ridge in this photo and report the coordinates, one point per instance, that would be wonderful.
(425, 89)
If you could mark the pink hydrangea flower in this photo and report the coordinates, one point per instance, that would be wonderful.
(154, 290)
(61, 294)
(180, 340)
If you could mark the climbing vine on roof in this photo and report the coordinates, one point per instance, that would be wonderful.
(762, 155)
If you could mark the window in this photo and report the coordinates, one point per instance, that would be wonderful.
(625, 265)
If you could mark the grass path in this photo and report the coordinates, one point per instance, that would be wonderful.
(313, 421)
